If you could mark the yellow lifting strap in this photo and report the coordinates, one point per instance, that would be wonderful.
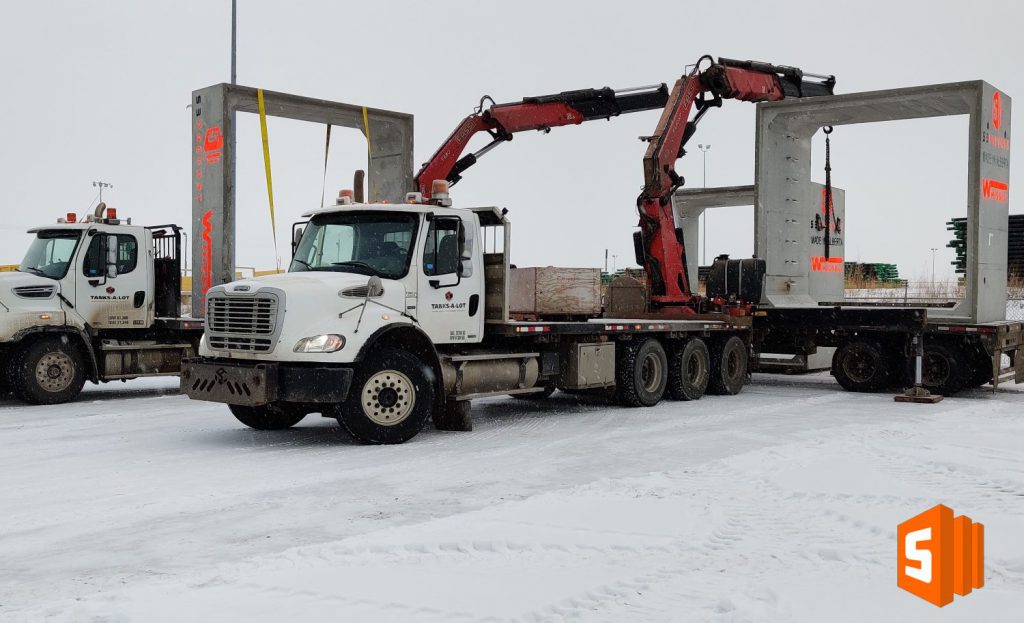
(266, 165)
(327, 152)
(369, 153)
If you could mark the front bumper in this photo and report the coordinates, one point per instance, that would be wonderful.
(254, 384)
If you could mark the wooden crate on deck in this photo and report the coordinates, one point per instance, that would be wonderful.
(552, 291)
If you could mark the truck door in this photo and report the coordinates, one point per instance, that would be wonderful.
(115, 289)
(450, 283)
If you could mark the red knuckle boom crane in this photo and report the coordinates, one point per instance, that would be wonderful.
(659, 244)
(543, 112)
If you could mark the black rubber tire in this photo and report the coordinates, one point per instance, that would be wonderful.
(981, 371)
(641, 373)
(67, 365)
(385, 376)
(274, 416)
(862, 366)
(5, 375)
(728, 371)
(689, 370)
(943, 369)
(548, 390)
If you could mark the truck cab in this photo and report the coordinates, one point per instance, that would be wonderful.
(371, 287)
(92, 300)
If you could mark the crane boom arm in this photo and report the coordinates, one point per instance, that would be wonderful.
(661, 243)
(544, 112)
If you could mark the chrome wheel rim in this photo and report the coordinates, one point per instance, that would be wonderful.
(388, 398)
(732, 364)
(55, 371)
(936, 370)
(695, 369)
(650, 372)
(859, 366)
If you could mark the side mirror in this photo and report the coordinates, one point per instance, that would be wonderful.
(297, 230)
(111, 256)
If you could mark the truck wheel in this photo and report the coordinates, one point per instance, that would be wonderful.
(981, 372)
(391, 398)
(942, 370)
(641, 373)
(688, 370)
(47, 371)
(728, 368)
(861, 366)
(5, 378)
(273, 416)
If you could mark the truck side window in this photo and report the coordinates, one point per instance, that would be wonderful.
(94, 264)
(441, 249)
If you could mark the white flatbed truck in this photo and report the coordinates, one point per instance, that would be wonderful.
(391, 315)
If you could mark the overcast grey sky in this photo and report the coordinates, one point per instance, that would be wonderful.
(97, 91)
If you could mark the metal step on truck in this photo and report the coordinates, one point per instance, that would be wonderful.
(393, 314)
(96, 300)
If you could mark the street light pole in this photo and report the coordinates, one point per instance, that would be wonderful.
(234, 39)
(934, 249)
(101, 186)
(704, 216)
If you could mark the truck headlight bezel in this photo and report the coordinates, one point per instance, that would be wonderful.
(324, 343)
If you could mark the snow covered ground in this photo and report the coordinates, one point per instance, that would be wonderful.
(780, 504)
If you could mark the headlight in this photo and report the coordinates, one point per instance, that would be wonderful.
(320, 344)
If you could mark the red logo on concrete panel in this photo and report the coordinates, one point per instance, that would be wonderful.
(821, 264)
(206, 264)
(212, 144)
(995, 190)
(997, 110)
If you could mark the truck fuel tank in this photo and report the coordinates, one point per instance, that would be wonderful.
(737, 280)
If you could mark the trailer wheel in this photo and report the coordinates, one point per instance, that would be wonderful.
(942, 370)
(47, 371)
(728, 368)
(391, 398)
(689, 370)
(274, 416)
(981, 371)
(861, 366)
(641, 373)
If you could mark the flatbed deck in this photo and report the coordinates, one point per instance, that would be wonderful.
(698, 325)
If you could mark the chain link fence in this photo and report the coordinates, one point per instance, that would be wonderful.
(1015, 303)
(931, 294)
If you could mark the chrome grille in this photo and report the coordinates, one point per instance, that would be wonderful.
(245, 323)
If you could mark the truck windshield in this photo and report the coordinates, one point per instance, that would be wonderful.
(369, 243)
(50, 253)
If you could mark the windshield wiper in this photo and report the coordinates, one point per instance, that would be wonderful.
(306, 264)
(34, 271)
(356, 263)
